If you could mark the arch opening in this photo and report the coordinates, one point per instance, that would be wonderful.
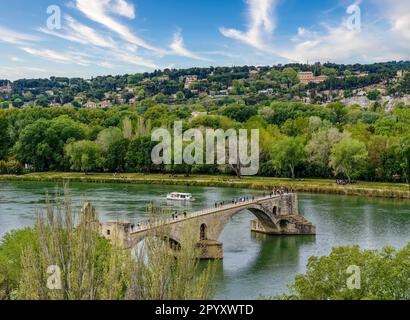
(203, 232)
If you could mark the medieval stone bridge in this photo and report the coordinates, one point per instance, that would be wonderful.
(275, 215)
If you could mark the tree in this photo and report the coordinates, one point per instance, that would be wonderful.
(84, 155)
(4, 137)
(180, 95)
(288, 153)
(319, 148)
(289, 77)
(405, 150)
(90, 267)
(239, 112)
(108, 136)
(139, 154)
(350, 273)
(41, 143)
(347, 157)
(11, 246)
(115, 156)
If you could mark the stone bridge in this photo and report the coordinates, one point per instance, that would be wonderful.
(275, 215)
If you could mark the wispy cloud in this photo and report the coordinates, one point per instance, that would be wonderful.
(10, 36)
(100, 11)
(62, 57)
(398, 14)
(261, 24)
(367, 44)
(178, 47)
(77, 32)
(133, 59)
(16, 59)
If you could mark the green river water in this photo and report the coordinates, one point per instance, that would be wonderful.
(253, 264)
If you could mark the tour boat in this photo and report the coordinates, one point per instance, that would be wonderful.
(177, 196)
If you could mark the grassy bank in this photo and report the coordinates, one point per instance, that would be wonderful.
(369, 189)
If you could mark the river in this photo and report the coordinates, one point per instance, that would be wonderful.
(254, 265)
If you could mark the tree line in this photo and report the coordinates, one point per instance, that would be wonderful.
(296, 140)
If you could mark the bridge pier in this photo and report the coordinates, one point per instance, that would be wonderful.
(210, 250)
(297, 226)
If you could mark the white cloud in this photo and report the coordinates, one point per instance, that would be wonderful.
(260, 26)
(372, 43)
(123, 8)
(80, 33)
(178, 47)
(66, 57)
(20, 72)
(99, 11)
(398, 13)
(10, 36)
(106, 65)
(16, 59)
(133, 59)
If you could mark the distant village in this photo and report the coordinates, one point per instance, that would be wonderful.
(314, 86)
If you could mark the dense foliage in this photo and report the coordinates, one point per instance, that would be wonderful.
(297, 139)
(350, 273)
(169, 86)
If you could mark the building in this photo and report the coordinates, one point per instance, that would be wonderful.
(253, 73)
(308, 77)
(119, 99)
(91, 105)
(54, 104)
(190, 80)
(268, 92)
(401, 73)
(105, 104)
(6, 89)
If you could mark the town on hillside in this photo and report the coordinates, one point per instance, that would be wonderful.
(379, 85)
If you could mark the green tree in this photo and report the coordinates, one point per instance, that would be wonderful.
(287, 154)
(42, 143)
(319, 148)
(84, 155)
(4, 137)
(115, 156)
(139, 154)
(91, 268)
(405, 150)
(239, 112)
(11, 246)
(289, 77)
(348, 157)
(383, 275)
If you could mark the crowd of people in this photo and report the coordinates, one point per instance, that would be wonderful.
(276, 191)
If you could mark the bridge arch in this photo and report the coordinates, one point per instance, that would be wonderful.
(203, 232)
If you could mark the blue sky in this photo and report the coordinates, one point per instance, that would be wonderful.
(99, 37)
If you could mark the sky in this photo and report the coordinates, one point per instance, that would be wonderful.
(87, 38)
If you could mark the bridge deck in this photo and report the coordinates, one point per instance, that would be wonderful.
(146, 226)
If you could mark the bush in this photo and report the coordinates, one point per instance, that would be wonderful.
(11, 167)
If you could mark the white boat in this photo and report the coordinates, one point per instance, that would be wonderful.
(177, 196)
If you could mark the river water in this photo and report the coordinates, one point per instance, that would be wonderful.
(253, 264)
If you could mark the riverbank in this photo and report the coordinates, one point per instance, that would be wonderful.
(368, 189)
